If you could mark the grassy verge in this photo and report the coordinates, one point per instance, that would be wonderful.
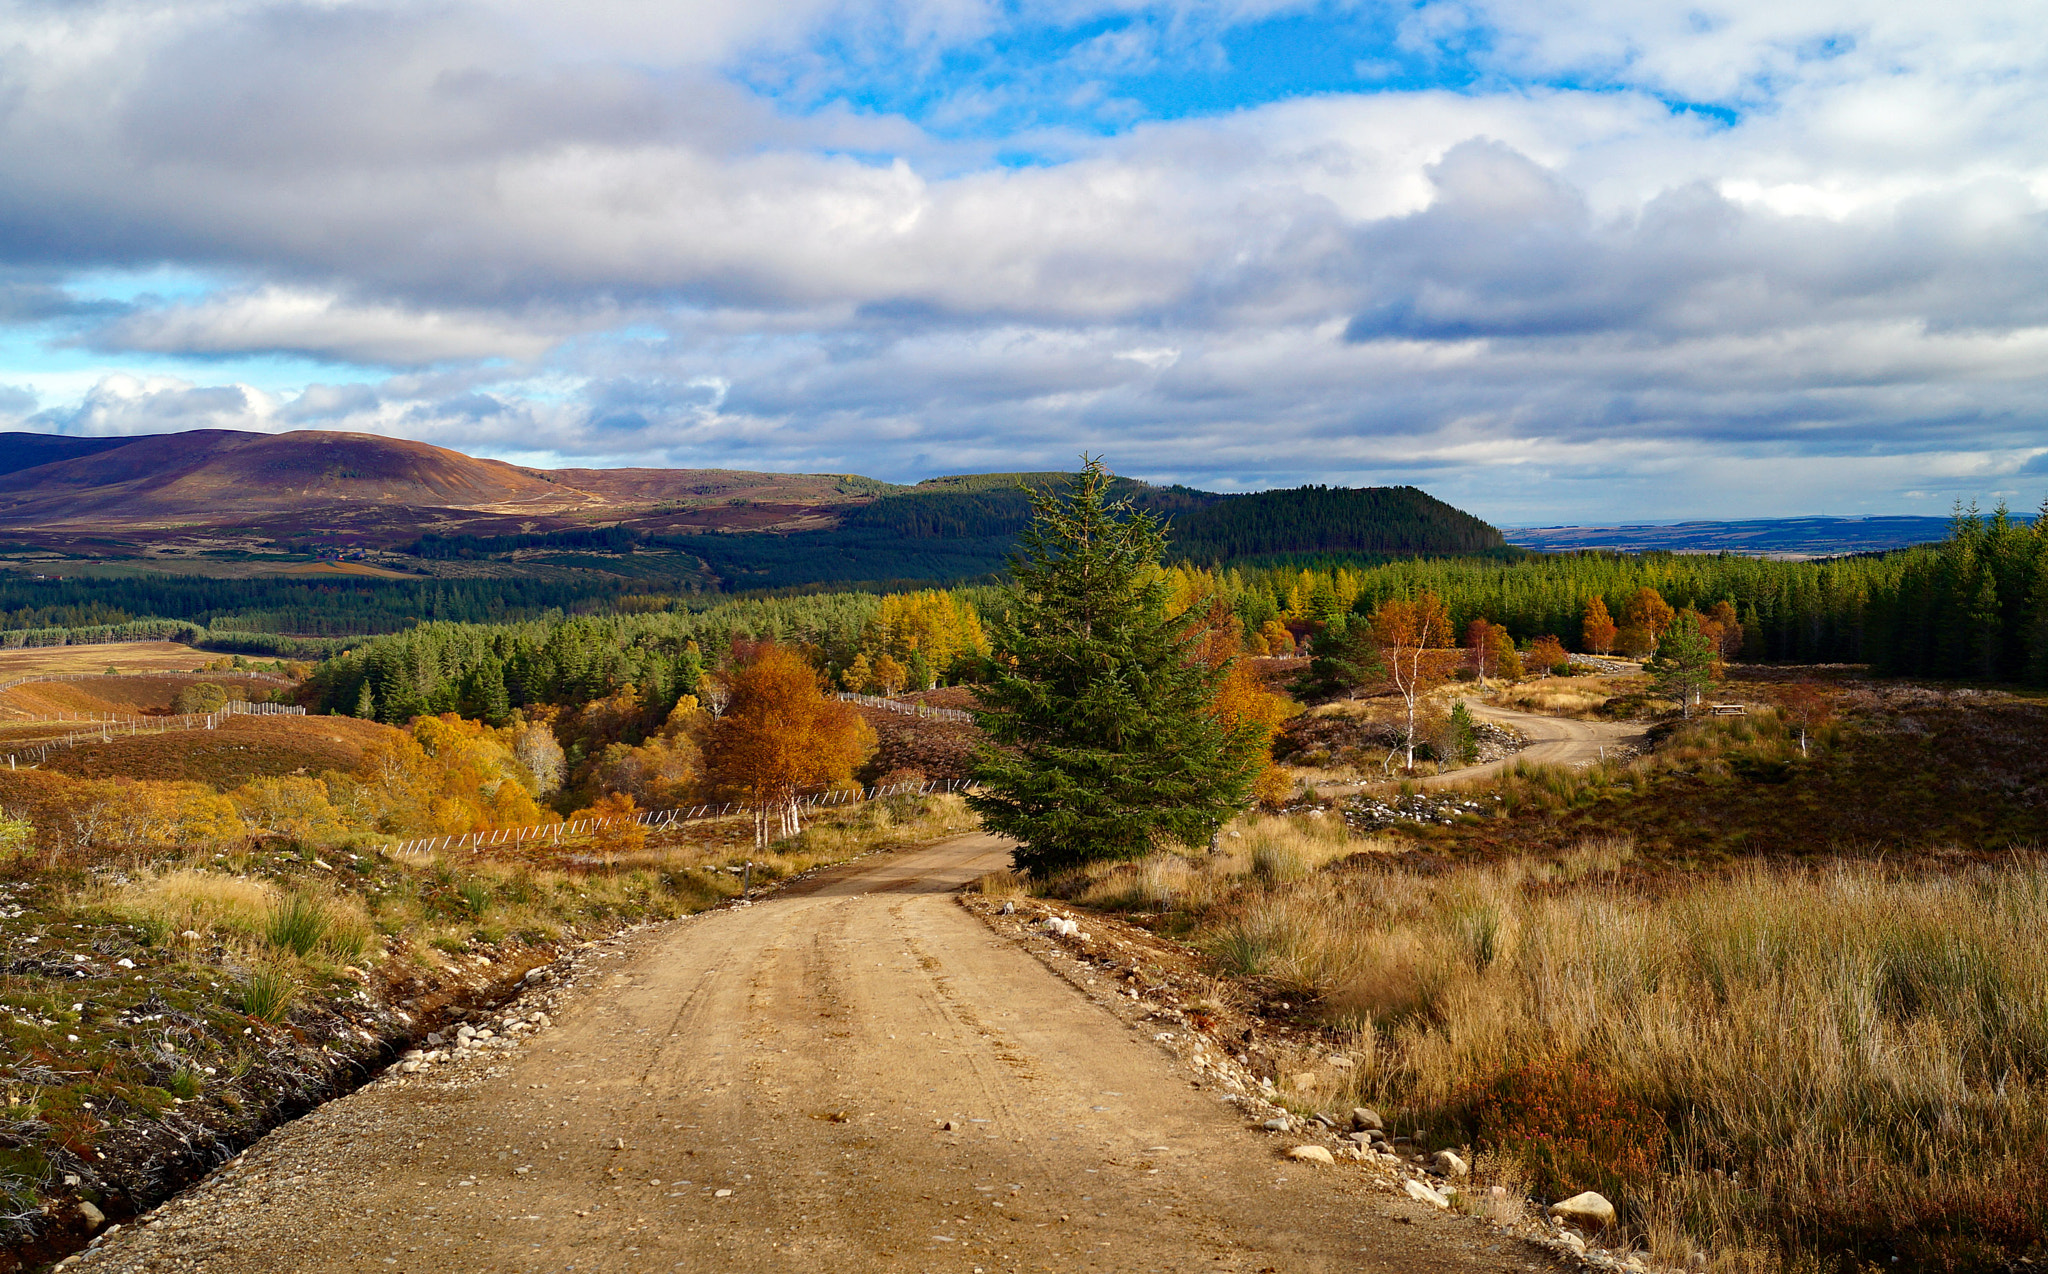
(1833, 1066)
(159, 1011)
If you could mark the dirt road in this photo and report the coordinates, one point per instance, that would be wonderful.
(1552, 741)
(763, 1088)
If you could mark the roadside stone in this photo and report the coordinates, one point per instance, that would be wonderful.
(1450, 1164)
(92, 1216)
(1313, 1154)
(1366, 1119)
(1422, 1193)
(1588, 1211)
(1279, 1123)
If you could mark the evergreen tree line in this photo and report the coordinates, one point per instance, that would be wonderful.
(1975, 606)
(486, 670)
(317, 607)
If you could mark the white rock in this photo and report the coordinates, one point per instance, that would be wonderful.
(1279, 1123)
(1366, 1119)
(1449, 1164)
(1588, 1211)
(92, 1216)
(1421, 1193)
(1313, 1154)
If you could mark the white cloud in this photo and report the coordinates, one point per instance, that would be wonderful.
(1481, 286)
(324, 326)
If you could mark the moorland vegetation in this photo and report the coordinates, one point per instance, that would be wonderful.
(1773, 984)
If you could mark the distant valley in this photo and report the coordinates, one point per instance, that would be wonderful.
(1788, 538)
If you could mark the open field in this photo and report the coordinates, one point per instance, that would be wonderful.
(342, 569)
(129, 695)
(239, 749)
(138, 656)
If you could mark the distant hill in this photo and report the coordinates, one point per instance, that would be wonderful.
(1759, 537)
(221, 472)
(1320, 519)
(227, 502)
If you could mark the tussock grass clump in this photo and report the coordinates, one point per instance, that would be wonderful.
(297, 924)
(267, 994)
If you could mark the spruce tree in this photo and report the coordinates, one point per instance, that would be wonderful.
(1684, 663)
(1103, 739)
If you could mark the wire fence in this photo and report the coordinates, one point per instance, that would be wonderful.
(912, 709)
(555, 832)
(233, 674)
(105, 727)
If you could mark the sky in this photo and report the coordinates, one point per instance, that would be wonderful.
(1561, 262)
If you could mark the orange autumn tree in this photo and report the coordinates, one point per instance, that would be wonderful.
(781, 735)
(1648, 611)
(1241, 700)
(1597, 630)
(1406, 628)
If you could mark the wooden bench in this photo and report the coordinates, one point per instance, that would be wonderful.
(1730, 710)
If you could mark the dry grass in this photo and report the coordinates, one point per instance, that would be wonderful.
(137, 695)
(1579, 697)
(1803, 1063)
(128, 656)
(1773, 1067)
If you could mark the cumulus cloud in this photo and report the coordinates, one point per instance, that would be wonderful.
(1754, 236)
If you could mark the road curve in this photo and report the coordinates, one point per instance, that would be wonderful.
(765, 1088)
(1552, 741)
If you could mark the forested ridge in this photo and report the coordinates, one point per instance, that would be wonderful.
(952, 530)
(1318, 519)
(1974, 606)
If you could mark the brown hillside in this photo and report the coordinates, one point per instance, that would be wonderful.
(241, 749)
(213, 475)
(134, 696)
(655, 486)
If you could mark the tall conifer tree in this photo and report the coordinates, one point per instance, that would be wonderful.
(1104, 735)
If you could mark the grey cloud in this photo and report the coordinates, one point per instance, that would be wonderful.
(1509, 250)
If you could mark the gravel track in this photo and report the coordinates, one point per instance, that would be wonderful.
(769, 1087)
